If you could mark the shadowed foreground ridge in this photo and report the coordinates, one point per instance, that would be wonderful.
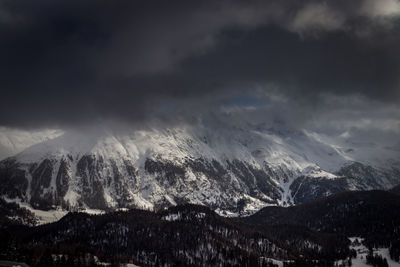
(196, 236)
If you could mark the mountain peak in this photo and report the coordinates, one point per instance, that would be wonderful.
(231, 169)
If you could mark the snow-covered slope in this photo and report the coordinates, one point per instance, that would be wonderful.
(230, 169)
(13, 141)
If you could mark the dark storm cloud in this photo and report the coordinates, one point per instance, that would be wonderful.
(67, 62)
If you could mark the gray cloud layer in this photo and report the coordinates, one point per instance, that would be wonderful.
(70, 62)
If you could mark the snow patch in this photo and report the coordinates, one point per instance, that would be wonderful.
(362, 252)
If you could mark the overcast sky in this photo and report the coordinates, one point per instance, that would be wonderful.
(328, 65)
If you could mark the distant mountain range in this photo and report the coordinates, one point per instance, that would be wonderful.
(233, 170)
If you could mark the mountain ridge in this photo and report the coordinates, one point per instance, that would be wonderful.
(238, 174)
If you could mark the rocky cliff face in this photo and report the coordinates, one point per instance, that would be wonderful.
(235, 172)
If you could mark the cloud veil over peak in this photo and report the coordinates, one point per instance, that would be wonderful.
(327, 65)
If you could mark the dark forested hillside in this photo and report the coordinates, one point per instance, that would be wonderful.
(311, 234)
(13, 214)
(373, 215)
(187, 235)
(351, 213)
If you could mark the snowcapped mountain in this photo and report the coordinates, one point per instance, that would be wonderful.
(231, 169)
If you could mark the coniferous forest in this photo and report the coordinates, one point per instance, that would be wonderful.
(312, 234)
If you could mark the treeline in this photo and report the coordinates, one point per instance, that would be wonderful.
(198, 238)
(372, 215)
(376, 260)
(394, 250)
(187, 235)
(312, 234)
(13, 214)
